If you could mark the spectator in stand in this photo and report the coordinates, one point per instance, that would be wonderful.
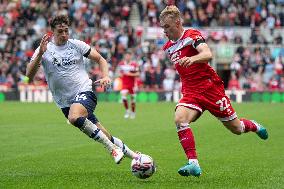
(158, 77)
(278, 66)
(281, 85)
(2, 77)
(256, 83)
(222, 13)
(235, 66)
(268, 73)
(234, 83)
(273, 84)
(149, 76)
(168, 83)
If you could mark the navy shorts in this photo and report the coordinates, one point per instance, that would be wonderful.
(89, 100)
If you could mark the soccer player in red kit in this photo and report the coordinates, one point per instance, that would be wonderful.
(129, 70)
(202, 89)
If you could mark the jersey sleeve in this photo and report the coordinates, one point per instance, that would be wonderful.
(83, 47)
(197, 38)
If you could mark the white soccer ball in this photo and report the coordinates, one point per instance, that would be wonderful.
(143, 166)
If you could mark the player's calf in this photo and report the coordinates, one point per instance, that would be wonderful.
(239, 126)
(234, 126)
(91, 130)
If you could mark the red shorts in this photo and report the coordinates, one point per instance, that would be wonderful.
(129, 90)
(214, 100)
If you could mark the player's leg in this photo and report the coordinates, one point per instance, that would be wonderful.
(124, 93)
(184, 116)
(126, 150)
(133, 104)
(80, 111)
(239, 126)
(220, 106)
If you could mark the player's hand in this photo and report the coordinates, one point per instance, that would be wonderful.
(104, 82)
(185, 61)
(43, 44)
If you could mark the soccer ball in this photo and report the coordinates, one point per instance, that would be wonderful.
(143, 166)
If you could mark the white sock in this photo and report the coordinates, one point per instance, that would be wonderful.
(95, 133)
(256, 124)
(194, 161)
(127, 151)
(242, 127)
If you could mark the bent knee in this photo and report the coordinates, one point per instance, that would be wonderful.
(179, 120)
(72, 119)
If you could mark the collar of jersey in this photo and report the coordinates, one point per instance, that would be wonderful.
(58, 46)
(179, 38)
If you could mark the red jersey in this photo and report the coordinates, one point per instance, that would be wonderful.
(198, 77)
(124, 68)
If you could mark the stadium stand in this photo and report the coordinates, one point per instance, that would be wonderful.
(249, 38)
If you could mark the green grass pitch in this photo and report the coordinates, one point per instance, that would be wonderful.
(38, 149)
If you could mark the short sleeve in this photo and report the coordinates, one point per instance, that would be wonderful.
(197, 38)
(83, 47)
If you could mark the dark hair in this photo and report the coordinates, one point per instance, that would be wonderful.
(58, 20)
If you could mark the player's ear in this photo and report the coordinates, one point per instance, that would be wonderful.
(178, 22)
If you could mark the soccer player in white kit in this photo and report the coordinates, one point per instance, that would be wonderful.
(69, 83)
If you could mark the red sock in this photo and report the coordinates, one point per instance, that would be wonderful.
(249, 125)
(133, 106)
(186, 139)
(125, 103)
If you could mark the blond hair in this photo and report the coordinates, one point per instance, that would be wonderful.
(170, 11)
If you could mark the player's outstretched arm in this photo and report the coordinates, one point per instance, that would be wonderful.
(33, 66)
(95, 56)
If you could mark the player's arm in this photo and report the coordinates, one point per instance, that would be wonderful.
(204, 55)
(95, 56)
(34, 65)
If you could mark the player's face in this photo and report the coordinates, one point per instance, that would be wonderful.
(128, 57)
(170, 27)
(61, 34)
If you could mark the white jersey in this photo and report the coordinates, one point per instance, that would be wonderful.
(65, 70)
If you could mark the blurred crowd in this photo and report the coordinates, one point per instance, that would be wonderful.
(201, 13)
(257, 69)
(106, 25)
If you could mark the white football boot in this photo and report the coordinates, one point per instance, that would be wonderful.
(117, 155)
(127, 114)
(132, 115)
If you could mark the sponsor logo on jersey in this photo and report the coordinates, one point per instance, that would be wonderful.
(64, 61)
(175, 57)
